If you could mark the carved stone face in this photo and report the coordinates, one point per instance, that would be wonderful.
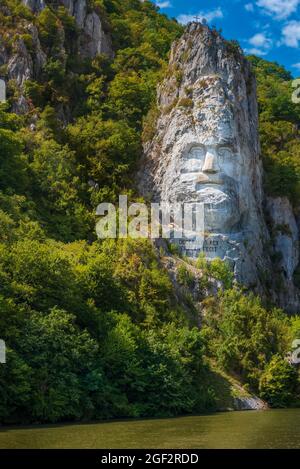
(209, 174)
(209, 162)
(206, 151)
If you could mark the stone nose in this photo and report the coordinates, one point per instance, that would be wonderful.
(211, 163)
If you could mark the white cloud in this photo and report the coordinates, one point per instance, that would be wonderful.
(208, 15)
(255, 51)
(249, 7)
(261, 44)
(279, 9)
(260, 40)
(297, 66)
(291, 34)
(163, 4)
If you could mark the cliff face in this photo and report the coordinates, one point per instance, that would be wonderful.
(25, 62)
(93, 40)
(206, 150)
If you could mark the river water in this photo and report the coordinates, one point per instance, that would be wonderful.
(252, 429)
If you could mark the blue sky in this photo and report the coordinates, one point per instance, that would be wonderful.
(267, 28)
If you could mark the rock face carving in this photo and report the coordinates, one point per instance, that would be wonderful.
(206, 150)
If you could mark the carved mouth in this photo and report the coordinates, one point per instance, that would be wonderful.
(208, 180)
(219, 182)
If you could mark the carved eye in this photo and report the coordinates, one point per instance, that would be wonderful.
(225, 154)
(197, 153)
(193, 161)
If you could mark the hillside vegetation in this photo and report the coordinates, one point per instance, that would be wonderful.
(94, 329)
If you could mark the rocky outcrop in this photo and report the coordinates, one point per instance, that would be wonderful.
(35, 5)
(78, 9)
(285, 234)
(285, 240)
(93, 39)
(206, 150)
(249, 403)
(22, 63)
(205, 153)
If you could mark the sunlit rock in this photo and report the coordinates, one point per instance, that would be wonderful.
(35, 5)
(206, 150)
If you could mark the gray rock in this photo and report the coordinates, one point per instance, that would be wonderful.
(23, 66)
(3, 54)
(20, 65)
(286, 233)
(20, 106)
(249, 403)
(206, 151)
(40, 58)
(94, 41)
(78, 9)
(35, 5)
(285, 237)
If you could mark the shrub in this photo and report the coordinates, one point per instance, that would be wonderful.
(184, 276)
(278, 382)
(244, 334)
(186, 102)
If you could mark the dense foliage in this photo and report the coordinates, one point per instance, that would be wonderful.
(94, 330)
(279, 129)
(243, 335)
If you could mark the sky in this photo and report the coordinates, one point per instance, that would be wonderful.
(267, 28)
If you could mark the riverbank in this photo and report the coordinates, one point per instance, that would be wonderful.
(269, 429)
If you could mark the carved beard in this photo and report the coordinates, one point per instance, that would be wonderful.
(222, 211)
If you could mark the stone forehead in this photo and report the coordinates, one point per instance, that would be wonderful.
(213, 110)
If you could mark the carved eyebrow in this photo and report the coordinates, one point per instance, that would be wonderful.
(199, 146)
(229, 147)
(225, 147)
(228, 144)
(194, 150)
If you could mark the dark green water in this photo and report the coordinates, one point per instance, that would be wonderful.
(267, 429)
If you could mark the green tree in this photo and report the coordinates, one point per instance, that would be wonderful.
(60, 357)
(278, 382)
(243, 335)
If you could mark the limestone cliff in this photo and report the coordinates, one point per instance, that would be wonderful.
(23, 57)
(206, 150)
(93, 39)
